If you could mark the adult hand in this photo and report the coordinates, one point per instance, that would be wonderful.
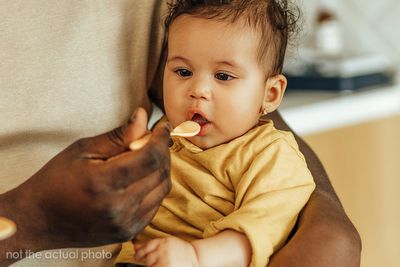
(94, 192)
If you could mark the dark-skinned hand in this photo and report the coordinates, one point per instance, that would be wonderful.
(94, 192)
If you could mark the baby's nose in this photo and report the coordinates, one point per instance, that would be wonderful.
(201, 90)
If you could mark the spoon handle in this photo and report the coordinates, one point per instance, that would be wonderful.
(7, 228)
(139, 143)
(180, 130)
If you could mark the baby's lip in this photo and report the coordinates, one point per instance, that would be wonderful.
(199, 119)
(196, 114)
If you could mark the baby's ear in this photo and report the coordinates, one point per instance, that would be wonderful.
(275, 88)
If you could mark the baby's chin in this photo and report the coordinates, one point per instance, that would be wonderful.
(206, 142)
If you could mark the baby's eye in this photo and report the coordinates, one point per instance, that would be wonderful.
(183, 72)
(223, 76)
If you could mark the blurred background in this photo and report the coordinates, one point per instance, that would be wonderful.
(343, 97)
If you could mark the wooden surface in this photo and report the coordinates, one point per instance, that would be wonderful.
(363, 162)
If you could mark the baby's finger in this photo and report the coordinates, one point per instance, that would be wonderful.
(146, 248)
(153, 259)
(139, 246)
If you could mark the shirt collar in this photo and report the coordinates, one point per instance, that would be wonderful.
(181, 142)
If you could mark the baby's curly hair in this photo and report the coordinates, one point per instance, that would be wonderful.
(275, 20)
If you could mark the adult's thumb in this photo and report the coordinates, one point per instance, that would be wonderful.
(117, 141)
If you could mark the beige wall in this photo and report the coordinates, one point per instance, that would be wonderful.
(363, 162)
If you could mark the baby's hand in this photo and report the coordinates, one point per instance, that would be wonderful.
(166, 252)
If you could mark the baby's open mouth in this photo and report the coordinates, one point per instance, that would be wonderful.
(199, 119)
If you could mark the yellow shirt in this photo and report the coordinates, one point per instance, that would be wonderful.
(256, 184)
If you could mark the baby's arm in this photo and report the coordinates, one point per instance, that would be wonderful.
(166, 252)
(228, 248)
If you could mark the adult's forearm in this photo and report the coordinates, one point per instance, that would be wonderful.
(324, 238)
(325, 232)
(325, 235)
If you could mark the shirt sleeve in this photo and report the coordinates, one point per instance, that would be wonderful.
(268, 198)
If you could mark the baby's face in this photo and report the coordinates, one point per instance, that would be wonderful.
(212, 76)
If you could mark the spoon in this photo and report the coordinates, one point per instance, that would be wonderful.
(185, 129)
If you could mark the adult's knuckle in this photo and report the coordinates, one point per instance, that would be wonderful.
(165, 132)
(152, 159)
(165, 171)
(166, 186)
(120, 177)
(116, 136)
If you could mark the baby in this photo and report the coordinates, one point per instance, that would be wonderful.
(238, 186)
